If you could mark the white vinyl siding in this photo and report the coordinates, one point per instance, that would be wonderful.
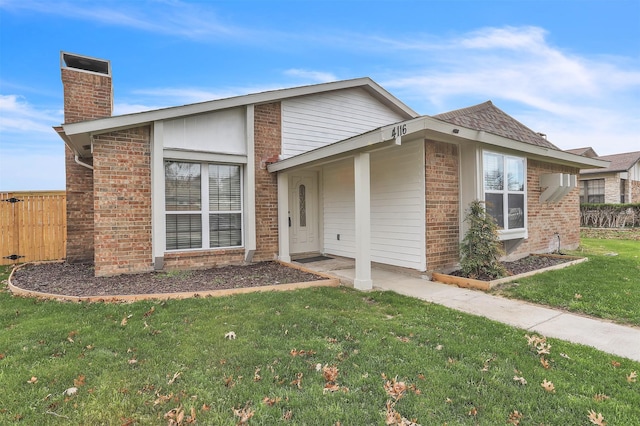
(222, 132)
(397, 207)
(339, 208)
(314, 121)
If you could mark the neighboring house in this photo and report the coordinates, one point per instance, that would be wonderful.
(617, 183)
(340, 168)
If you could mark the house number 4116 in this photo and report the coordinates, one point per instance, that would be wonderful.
(399, 131)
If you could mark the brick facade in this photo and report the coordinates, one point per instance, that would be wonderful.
(122, 202)
(634, 188)
(203, 259)
(268, 146)
(86, 96)
(442, 213)
(545, 220)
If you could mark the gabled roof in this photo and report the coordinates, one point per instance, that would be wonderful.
(487, 117)
(585, 152)
(77, 134)
(619, 163)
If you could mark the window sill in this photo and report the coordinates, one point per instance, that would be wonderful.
(513, 234)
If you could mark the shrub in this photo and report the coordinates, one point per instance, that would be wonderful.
(481, 248)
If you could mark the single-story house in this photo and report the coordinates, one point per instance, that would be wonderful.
(341, 168)
(617, 183)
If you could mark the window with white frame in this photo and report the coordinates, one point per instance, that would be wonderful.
(504, 189)
(202, 196)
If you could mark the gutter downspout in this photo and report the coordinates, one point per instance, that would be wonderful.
(76, 157)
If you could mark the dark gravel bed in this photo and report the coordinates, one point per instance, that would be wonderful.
(78, 280)
(526, 264)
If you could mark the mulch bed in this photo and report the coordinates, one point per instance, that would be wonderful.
(78, 279)
(526, 264)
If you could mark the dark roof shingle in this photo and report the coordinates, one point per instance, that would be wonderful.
(619, 163)
(489, 118)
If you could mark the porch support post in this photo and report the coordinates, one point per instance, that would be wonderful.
(362, 176)
(283, 217)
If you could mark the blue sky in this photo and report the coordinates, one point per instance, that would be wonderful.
(567, 68)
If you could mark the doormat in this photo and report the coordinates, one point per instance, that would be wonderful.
(313, 259)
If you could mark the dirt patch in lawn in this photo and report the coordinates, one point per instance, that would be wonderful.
(78, 279)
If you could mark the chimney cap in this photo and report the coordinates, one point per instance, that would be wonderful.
(85, 63)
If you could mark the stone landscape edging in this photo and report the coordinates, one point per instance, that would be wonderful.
(488, 285)
(328, 281)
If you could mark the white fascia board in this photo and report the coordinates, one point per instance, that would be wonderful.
(108, 124)
(435, 129)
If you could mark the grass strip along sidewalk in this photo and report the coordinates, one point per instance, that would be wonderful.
(607, 286)
(316, 356)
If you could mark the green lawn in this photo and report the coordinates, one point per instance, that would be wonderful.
(607, 286)
(125, 364)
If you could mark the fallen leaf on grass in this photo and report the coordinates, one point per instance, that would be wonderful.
(545, 363)
(174, 378)
(577, 296)
(256, 375)
(271, 401)
(298, 381)
(520, 380)
(295, 352)
(563, 355)
(32, 380)
(599, 397)
(632, 377)
(244, 413)
(596, 418)
(514, 418)
(330, 373)
(230, 335)
(125, 320)
(71, 336)
(79, 381)
(548, 386)
(288, 415)
(395, 389)
(615, 363)
(149, 312)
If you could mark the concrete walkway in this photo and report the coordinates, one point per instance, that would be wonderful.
(603, 335)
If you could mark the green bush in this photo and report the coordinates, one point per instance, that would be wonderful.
(481, 248)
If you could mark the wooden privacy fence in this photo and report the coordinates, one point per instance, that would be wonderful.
(33, 226)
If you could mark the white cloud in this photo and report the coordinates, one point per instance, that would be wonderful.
(576, 100)
(315, 76)
(17, 115)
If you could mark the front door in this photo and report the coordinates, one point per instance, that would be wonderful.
(303, 213)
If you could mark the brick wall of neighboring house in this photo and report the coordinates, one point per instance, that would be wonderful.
(86, 96)
(268, 146)
(442, 205)
(634, 188)
(612, 188)
(122, 202)
(547, 219)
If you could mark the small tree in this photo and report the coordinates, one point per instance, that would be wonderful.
(481, 248)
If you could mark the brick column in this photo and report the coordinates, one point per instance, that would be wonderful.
(268, 143)
(86, 96)
(442, 205)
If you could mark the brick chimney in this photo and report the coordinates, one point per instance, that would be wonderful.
(88, 94)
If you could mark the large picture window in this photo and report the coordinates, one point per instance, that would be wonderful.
(202, 197)
(504, 179)
(592, 191)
